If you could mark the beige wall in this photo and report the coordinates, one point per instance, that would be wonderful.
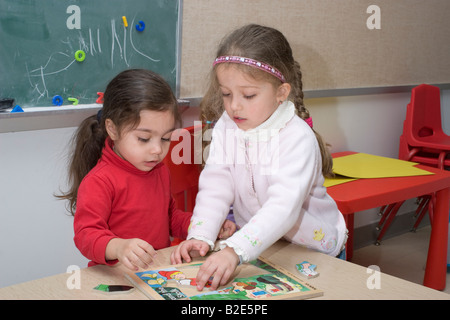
(330, 39)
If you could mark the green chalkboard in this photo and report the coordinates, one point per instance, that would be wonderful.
(39, 40)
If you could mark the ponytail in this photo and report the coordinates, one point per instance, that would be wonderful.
(87, 142)
(297, 98)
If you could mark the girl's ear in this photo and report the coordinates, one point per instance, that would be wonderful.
(283, 92)
(111, 129)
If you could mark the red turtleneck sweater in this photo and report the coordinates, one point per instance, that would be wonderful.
(116, 200)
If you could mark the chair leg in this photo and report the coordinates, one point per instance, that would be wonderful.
(349, 222)
(431, 206)
(441, 160)
(412, 153)
(421, 203)
(421, 210)
(385, 211)
(388, 222)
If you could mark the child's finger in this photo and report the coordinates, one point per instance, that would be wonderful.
(127, 263)
(148, 248)
(145, 254)
(204, 274)
(221, 277)
(227, 229)
(145, 259)
(184, 253)
(225, 233)
(217, 279)
(175, 257)
(135, 260)
(226, 276)
(202, 248)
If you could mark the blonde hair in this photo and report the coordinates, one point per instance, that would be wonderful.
(269, 46)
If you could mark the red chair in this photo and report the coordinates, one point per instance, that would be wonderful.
(184, 164)
(422, 141)
(430, 157)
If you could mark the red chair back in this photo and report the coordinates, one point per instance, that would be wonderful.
(423, 126)
(184, 165)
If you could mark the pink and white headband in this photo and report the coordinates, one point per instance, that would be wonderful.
(252, 63)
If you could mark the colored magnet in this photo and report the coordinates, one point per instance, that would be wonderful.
(307, 269)
(17, 109)
(125, 22)
(100, 98)
(74, 100)
(140, 26)
(80, 55)
(57, 100)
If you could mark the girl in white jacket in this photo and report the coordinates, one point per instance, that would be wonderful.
(265, 160)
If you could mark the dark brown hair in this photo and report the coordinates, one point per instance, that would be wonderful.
(270, 46)
(129, 93)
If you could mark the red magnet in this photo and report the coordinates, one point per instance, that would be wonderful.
(100, 98)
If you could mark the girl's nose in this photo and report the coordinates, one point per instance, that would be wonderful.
(235, 104)
(156, 147)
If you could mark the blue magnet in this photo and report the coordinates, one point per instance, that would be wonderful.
(57, 100)
(17, 109)
(140, 26)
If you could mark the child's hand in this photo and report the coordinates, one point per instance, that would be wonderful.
(187, 249)
(227, 230)
(221, 265)
(133, 253)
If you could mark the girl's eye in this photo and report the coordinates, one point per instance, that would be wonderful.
(225, 94)
(249, 96)
(143, 140)
(165, 139)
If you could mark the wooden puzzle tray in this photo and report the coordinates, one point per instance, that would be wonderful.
(259, 279)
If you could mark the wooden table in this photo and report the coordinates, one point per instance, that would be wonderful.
(338, 279)
(365, 194)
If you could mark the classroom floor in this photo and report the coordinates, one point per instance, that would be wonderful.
(403, 256)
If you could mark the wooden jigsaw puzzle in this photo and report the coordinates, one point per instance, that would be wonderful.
(258, 279)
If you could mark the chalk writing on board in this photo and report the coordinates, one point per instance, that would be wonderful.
(122, 48)
(55, 48)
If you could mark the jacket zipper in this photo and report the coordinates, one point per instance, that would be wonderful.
(249, 166)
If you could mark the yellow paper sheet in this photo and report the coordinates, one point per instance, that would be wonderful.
(362, 165)
(329, 182)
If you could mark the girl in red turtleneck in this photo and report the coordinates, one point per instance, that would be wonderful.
(120, 193)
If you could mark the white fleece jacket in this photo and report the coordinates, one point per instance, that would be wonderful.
(272, 177)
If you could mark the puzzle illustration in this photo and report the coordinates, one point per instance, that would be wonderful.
(258, 279)
(307, 269)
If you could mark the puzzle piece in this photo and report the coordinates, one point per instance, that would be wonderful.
(307, 269)
(153, 280)
(193, 282)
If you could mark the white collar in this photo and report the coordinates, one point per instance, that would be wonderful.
(271, 126)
